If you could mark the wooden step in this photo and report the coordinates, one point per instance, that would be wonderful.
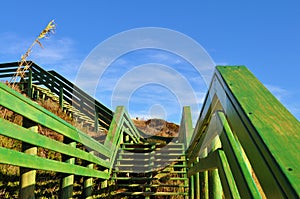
(154, 193)
(156, 144)
(156, 172)
(152, 159)
(125, 153)
(147, 178)
(153, 185)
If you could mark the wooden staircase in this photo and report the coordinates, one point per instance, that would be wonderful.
(240, 146)
(151, 170)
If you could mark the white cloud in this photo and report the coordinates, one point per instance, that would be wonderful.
(54, 50)
(222, 64)
(125, 77)
(277, 91)
(12, 46)
(286, 97)
(57, 54)
(165, 58)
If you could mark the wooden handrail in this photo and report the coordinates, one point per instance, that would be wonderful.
(64, 89)
(30, 110)
(257, 136)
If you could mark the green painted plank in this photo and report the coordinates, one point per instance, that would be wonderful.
(126, 153)
(204, 139)
(156, 144)
(6, 75)
(197, 183)
(24, 106)
(208, 163)
(35, 162)
(154, 193)
(186, 127)
(148, 178)
(104, 111)
(134, 132)
(239, 123)
(233, 151)
(94, 145)
(12, 70)
(121, 120)
(129, 132)
(130, 129)
(228, 184)
(191, 187)
(131, 165)
(114, 126)
(28, 176)
(67, 180)
(88, 184)
(203, 179)
(116, 129)
(270, 124)
(207, 110)
(152, 185)
(215, 186)
(17, 132)
(134, 159)
(257, 152)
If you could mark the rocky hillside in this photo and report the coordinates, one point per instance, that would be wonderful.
(157, 127)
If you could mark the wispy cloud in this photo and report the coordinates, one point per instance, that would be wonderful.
(173, 86)
(287, 98)
(141, 79)
(222, 64)
(12, 46)
(57, 53)
(140, 87)
(165, 58)
(54, 50)
(278, 92)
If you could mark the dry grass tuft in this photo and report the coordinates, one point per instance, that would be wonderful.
(23, 62)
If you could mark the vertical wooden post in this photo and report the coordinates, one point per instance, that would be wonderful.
(28, 176)
(61, 96)
(37, 95)
(104, 183)
(191, 187)
(67, 181)
(88, 183)
(29, 84)
(197, 183)
(127, 138)
(96, 123)
(203, 179)
(215, 186)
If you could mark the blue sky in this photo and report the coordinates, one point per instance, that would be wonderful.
(263, 35)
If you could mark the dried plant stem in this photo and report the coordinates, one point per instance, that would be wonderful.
(23, 64)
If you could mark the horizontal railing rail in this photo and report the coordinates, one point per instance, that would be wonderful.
(34, 116)
(244, 143)
(65, 89)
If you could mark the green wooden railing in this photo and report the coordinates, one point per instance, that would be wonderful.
(245, 143)
(63, 88)
(34, 115)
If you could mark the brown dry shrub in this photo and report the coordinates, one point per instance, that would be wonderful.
(53, 107)
(157, 127)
